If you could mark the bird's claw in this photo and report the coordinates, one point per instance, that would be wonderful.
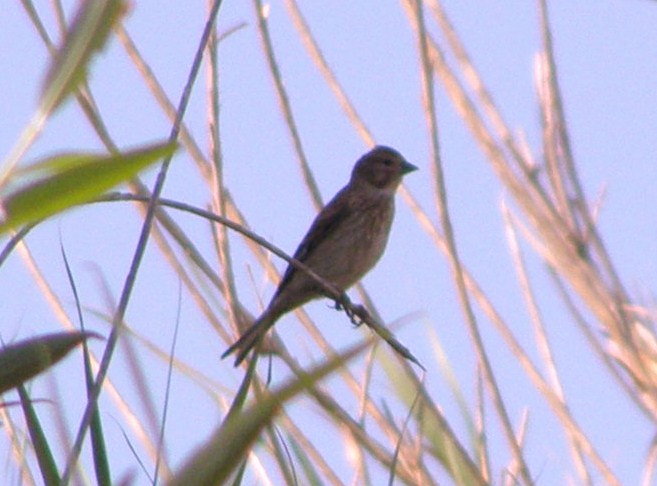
(343, 303)
(357, 313)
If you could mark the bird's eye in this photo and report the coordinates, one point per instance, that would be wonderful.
(387, 162)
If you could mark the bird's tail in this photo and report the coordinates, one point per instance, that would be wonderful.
(250, 338)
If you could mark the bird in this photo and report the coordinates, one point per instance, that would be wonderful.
(346, 239)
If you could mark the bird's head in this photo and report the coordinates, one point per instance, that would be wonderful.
(382, 168)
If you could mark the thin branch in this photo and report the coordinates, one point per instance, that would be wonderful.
(357, 313)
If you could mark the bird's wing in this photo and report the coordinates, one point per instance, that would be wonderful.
(333, 214)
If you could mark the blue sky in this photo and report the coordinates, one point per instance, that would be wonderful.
(606, 53)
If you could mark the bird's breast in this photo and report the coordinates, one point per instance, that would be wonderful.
(356, 246)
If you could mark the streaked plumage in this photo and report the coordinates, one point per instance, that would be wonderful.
(344, 242)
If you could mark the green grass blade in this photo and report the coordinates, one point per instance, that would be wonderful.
(313, 476)
(101, 461)
(42, 450)
(434, 427)
(98, 447)
(229, 444)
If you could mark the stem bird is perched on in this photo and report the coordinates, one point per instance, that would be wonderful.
(344, 242)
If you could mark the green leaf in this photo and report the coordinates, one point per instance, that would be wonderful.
(73, 179)
(88, 33)
(21, 361)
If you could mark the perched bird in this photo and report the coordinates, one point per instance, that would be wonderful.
(344, 242)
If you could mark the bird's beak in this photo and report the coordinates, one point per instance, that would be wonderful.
(407, 167)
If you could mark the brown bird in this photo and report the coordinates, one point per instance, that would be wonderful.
(344, 242)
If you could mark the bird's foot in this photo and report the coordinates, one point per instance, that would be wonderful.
(343, 303)
(356, 313)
